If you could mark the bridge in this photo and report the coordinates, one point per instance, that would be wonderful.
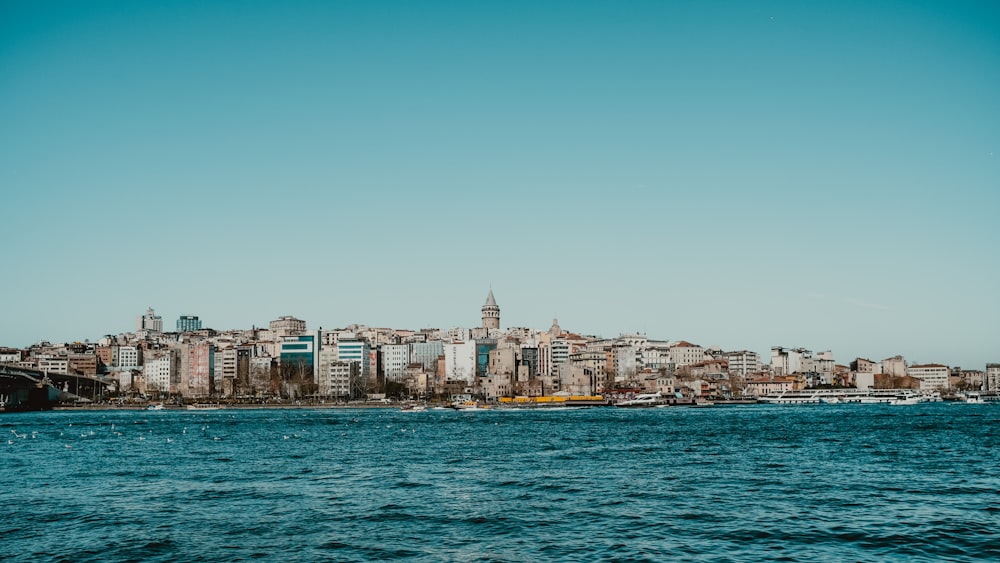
(30, 389)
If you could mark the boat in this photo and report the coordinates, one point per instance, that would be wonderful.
(791, 398)
(906, 398)
(972, 398)
(203, 407)
(641, 400)
(156, 407)
(413, 408)
(469, 406)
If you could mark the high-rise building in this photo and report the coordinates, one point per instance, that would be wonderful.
(149, 322)
(491, 313)
(300, 356)
(355, 350)
(188, 323)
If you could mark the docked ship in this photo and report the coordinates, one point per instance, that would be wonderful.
(849, 396)
(641, 400)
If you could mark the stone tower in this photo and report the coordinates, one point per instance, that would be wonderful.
(491, 312)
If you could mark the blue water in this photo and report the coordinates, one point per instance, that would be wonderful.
(740, 483)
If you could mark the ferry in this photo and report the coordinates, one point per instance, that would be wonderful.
(808, 397)
(849, 396)
(204, 407)
(641, 400)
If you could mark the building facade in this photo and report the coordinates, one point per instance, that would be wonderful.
(931, 376)
(149, 322)
(188, 323)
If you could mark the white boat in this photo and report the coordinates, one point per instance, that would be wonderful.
(641, 400)
(156, 407)
(906, 398)
(203, 407)
(413, 408)
(972, 398)
(791, 398)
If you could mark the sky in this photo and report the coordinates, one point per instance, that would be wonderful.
(737, 174)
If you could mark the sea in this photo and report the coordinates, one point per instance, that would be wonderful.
(727, 483)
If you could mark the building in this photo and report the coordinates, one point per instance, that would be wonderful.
(894, 366)
(491, 313)
(684, 354)
(225, 370)
(286, 326)
(53, 364)
(9, 356)
(197, 370)
(426, 353)
(162, 373)
(787, 362)
(336, 379)
(188, 323)
(149, 323)
(126, 357)
(395, 358)
(299, 357)
(460, 361)
(991, 380)
(743, 362)
(355, 350)
(559, 354)
(767, 386)
(931, 376)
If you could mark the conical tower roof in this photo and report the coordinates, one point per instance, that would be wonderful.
(490, 301)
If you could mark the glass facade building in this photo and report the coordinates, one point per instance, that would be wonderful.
(188, 323)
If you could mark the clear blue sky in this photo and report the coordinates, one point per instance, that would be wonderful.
(740, 174)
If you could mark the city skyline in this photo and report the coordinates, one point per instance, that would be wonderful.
(737, 175)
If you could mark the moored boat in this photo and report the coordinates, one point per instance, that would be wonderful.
(204, 407)
(641, 400)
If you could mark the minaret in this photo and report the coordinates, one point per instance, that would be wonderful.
(491, 312)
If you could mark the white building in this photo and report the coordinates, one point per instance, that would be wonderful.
(53, 364)
(127, 357)
(894, 366)
(10, 357)
(460, 361)
(158, 372)
(787, 362)
(743, 362)
(931, 376)
(991, 381)
(149, 322)
(657, 357)
(395, 358)
(558, 353)
(355, 350)
(684, 354)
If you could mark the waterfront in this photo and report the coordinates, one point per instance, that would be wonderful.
(739, 483)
